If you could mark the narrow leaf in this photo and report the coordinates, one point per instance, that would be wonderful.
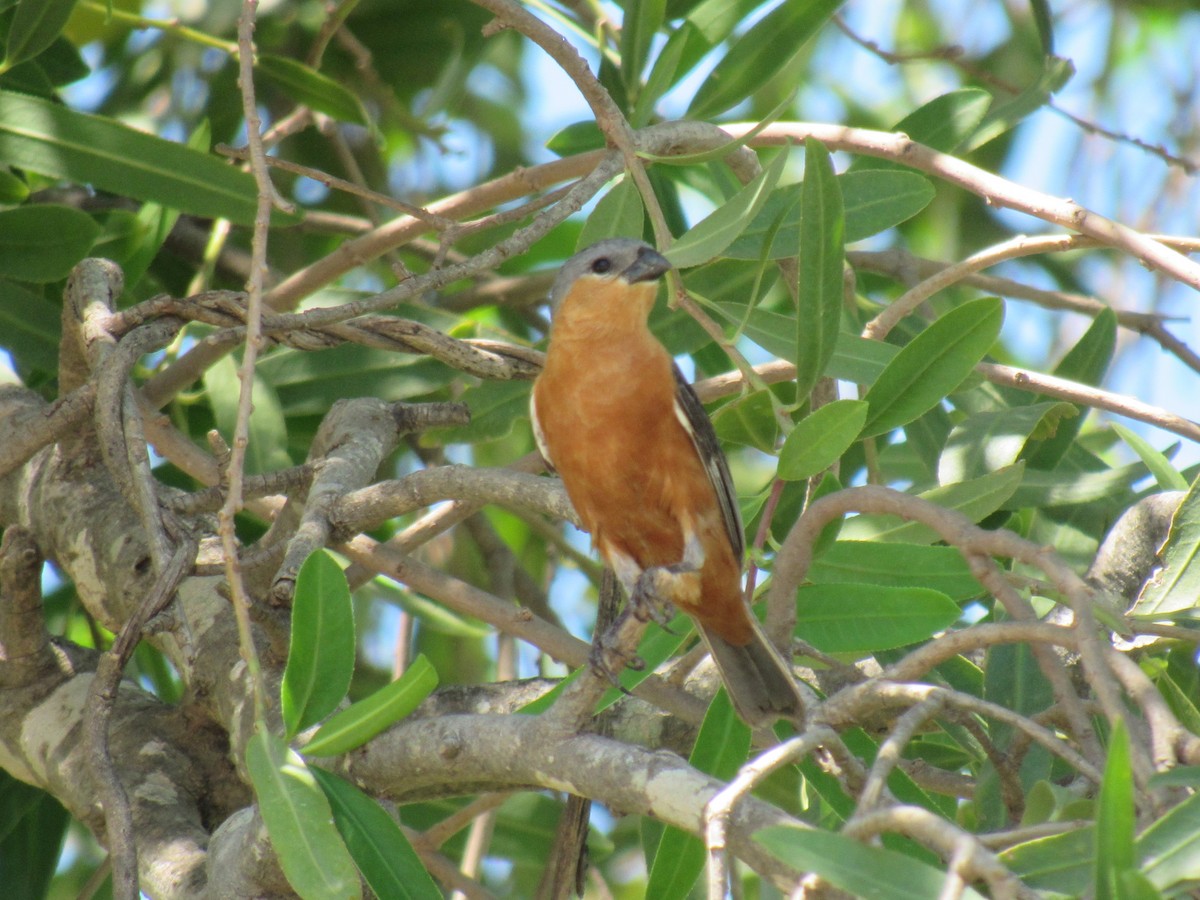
(1086, 362)
(933, 364)
(990, 440)
(1114, 817)
(896, 565)
(749, 421)
(821, 438)
(43, 242)
(857, 618)
(1160, 467)
(762, 52)
(1173, 589)
(619, 213)
(719, 229)
(872, 201)
(1168, 851)
(872, 873)
(642, 20)
(268, 427)
(1062, 863)
(31, 326)
(942, 124)
(53, 140)
(976, 499)
(299, 822)
(378, 846)
(822, 258)
(321, 655)
(354, 726)
(721, 748)
(310, 88)
(35, 26)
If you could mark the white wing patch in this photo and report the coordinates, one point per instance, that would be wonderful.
(538, 436)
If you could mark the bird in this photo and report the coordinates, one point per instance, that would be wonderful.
(614, 417)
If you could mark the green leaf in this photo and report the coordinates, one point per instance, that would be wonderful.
(578, 137)
(378, 846)
(354, 726)
(35, 26)
(1175, 587)
(310, 88)
(756, 56)
(854, 358)
(321, 654)
(639, 25)
(1115, 817)
(53, 140)
(857, 618)
(871, 873)
(990, 440)
(896, 565)
(933, 364)
(31, 326)
(1061, 864)
(820, 439)
(721, 748)
(43, 242)
(941, 124)
(619, 213)
(749, 421)
(496, 406)
(13, 189)
(872, 201)
(32, 828)
(1055, 73)
(1168, 852)
(1160, 467)
(666, 70)
(822, 257)
(299, 822)
(268, 428)
(713, 234)
(976, 499)
(1086, 362)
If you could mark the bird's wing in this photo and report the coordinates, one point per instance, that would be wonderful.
(539, 437)
(690, 412)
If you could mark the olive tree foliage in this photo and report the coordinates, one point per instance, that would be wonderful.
(287, 602)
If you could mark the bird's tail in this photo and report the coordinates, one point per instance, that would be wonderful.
(760, 683)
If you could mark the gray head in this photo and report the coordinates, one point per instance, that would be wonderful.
(624, 258)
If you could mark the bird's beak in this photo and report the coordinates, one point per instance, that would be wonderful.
(649, 266)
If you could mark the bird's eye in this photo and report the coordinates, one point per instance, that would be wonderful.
(602, 265)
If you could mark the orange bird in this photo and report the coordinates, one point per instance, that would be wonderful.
(641, 464)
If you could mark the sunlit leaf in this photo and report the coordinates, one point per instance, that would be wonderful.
(896, 565)
(720, 749)
(299, 822)
(53, 140)
(378, 846)
(933, 364)
(1175, 587)
(856, 618)
(770, 45)
(819, 439)
(354, 726)
(718, 230)
(822, 256)
(860, 870)
(321, 655)
(1115, 817)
